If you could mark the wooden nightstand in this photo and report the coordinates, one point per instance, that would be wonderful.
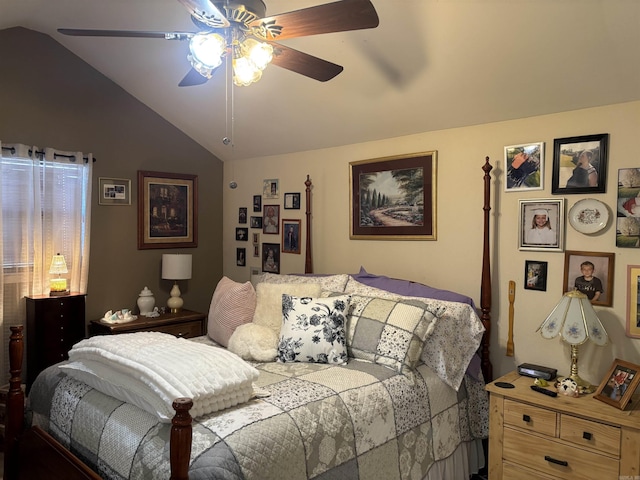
(185, 324)
(538, 437)
(54, 325)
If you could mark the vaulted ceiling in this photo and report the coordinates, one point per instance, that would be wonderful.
(430, 65)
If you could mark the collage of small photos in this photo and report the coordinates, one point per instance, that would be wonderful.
(281, 235)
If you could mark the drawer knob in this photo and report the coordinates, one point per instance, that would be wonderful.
(557, 462)
(526, 418)
(586, 435)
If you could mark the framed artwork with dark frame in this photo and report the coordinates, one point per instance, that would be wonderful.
(271, 257)
(255, 222)
(167, 210)
(633, 301)
(257, 203)
(591, 273)
(524, 165)
(394, 198)
(535, 275)
(290, 236)
(628, 208)
(242, 234)
(619, 385)
(241, 257)
(292, 201)
(580, 164)
(541, 225)
(242, 215)
(271, 219)
(114, 191)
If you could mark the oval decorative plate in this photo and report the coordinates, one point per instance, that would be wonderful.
(589, 215)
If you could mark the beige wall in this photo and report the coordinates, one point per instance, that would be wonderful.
(50, 97)
(453, 261)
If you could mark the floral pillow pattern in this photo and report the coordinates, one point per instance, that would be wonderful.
(313, 329)
(332, 283)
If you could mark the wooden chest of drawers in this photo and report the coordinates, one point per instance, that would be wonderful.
(538, 437)
(186, 323)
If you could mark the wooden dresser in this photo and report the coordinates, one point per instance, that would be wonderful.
(54, 325)
(538, 437)
(186, 323)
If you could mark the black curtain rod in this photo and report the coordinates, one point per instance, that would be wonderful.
(55, 155)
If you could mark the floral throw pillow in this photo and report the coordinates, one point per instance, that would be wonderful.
(313, 329)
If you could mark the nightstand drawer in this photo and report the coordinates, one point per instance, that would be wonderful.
(184, 330)
(555, 459)
(515, 472)
(585, 433)
(535, 419)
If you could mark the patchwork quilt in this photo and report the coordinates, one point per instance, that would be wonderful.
(354, 421)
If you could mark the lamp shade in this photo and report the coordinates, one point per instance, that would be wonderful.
(58, 265)
(575, 320)
(176, 266)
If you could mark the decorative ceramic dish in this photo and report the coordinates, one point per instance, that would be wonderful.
(589, 215)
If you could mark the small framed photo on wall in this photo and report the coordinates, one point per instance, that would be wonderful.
(270, 188)
(580, 164)
(257, 203)
(524, 165)
(271, 257)
(535, 275)
(541, 225)
(255, 222)
(290, 236)
(591, 273)
(628, 208)
(242, 215)
(633, 301)
(271, 219)
(292, 201)
(241, 257)
(242, 234)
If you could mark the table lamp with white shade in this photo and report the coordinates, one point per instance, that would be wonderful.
(575, 320)
(176, 266)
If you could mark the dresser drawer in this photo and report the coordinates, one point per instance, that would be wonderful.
(516, 472)
(556, 459)
(184, 330)
(586, 433)
(535, 419)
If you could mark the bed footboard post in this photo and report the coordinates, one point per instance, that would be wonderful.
(308, 264)
(15, 403)
(180, 442)
(485, 289)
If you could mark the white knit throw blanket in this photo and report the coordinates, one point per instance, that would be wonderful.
(151, 369)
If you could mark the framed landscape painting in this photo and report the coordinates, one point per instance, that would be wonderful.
(394, 198)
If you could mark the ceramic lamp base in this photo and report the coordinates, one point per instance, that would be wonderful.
(175, 302)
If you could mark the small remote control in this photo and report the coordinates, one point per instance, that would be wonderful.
(551, 393)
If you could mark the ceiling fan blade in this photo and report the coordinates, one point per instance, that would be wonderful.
(206, 12)
(192, 78)
(75, 32)
(304, 64)
(339, 16)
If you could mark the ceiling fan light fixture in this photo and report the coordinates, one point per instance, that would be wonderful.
(207, 50)
(245, 72)
(250, 57)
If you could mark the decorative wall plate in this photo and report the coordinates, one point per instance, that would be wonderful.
(589, 215)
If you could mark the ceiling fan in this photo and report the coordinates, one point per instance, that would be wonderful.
(239, 29)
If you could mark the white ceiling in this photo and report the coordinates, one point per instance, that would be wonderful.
(430, 65)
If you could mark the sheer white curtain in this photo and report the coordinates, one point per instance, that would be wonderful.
(45, 208)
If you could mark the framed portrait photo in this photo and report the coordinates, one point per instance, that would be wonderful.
(257, 203)
(255, 222)
(242, 215)
(270, 188)
(290, 236)
(535, 275)
(271, 219)
(292, 201)
(628, 208)
(619, 385)
(241, 257)
(580, 164)
(524, 167)
(167, 210)
(114, 191)
(633, 301)
(541, 225)
(591, 273)
(394, 198)
(271, 257)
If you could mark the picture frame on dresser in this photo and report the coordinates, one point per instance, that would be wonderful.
(167, 210)
(619, 385)
(580, 164)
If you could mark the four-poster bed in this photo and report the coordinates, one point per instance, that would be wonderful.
(26, 451)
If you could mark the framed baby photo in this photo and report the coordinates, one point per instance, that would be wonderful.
(271, 219)
(580, 164)
(524, 165)
(271, 257)
(535, 275)
(541, 225)
(591, 273)
(619, 385)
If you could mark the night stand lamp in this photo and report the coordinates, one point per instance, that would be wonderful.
(58, 284)
(176, 267)
(575, 320)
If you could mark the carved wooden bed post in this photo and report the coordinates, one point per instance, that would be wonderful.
(180, 442)
(15, 403)
(485, 289)
(308, 264)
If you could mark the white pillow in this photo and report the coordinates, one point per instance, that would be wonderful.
(269, 301)
(313, 329)
(332, 283)
(254, 342)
